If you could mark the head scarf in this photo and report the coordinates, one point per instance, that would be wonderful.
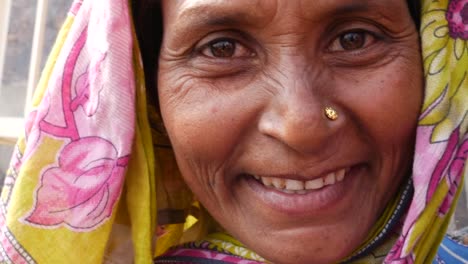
(89, 180)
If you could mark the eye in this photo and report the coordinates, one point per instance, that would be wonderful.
(352, 40)
(226, 48)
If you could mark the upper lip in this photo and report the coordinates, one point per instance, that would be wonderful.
(277, 163)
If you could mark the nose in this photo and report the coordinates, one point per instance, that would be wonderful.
(296, 118)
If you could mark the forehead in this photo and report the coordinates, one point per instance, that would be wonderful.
(261, 10)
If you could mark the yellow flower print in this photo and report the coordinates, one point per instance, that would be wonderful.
(444, 33)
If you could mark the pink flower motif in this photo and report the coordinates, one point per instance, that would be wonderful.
(82, 191)
(86, 84)
(457, 18)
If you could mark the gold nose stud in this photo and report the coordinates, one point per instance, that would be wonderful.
(331, 113)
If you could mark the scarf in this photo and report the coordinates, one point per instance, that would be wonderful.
(90, 179)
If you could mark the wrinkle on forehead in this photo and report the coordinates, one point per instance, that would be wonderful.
(262, 11)
(254, 11)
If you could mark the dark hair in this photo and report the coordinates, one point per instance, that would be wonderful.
(147, 16)
(415, 11)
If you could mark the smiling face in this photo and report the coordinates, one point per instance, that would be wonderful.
(243, 86)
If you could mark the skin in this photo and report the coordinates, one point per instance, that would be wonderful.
(259, 111)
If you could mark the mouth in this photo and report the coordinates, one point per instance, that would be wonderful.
(293, 186)
(294, 194)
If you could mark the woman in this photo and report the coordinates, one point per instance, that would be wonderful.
(297, 125)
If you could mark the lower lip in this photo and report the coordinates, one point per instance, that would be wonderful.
(315, 202)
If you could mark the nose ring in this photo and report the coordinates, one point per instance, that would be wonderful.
(331, 113)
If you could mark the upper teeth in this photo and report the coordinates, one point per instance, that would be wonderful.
(297, 186)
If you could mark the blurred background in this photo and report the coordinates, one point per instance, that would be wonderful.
(27, 31)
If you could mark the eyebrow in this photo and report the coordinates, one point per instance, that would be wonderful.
(352, 8)
(200, 16)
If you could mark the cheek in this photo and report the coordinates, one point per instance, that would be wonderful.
(401, 102)
(388, 106)
(203, 123)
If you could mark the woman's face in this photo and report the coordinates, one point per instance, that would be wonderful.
(243, 86)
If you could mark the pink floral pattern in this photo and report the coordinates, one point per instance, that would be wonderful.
(442, 142)
(87, 111)
(84, 98)
(81, 190)
(457, 17)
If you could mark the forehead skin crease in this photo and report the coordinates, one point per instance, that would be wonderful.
(262, 12)
(213, 10)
